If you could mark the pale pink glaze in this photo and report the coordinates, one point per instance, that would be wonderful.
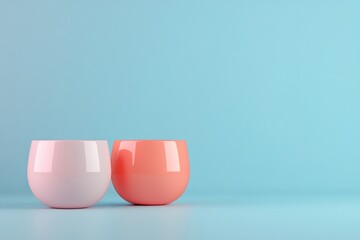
(150, 172)
(69, 173)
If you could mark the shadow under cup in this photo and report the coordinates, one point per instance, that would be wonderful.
(150, 172)
(69, 173)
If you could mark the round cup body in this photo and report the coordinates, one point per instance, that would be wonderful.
(69, 173)
(150, 172)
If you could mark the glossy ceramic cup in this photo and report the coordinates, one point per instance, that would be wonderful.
(150, 172)
(69, 173)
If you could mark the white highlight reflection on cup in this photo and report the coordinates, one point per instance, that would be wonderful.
(69, 173)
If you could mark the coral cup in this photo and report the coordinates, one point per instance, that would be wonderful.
(150, 172)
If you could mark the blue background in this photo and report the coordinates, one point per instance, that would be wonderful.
(265, 92)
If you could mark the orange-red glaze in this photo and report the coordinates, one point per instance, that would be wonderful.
(150, 172)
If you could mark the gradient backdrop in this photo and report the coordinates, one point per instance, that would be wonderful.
(266, 93)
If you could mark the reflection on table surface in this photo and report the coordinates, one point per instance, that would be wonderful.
(232, 217)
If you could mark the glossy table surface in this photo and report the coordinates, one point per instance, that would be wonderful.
(191, 217)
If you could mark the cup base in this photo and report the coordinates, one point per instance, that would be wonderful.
(64, 208)
(151, 204)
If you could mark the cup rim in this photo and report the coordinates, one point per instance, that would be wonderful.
(150, 140)
(66, 140)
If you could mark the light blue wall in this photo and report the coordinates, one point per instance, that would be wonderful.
(267, 93)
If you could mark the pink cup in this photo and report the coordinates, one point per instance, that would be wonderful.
(69, 173)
